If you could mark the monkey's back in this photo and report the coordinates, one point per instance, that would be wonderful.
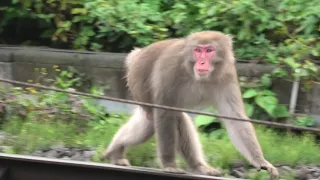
(140, 63)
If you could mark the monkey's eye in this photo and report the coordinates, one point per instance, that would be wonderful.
(209, 50)
(197, 49)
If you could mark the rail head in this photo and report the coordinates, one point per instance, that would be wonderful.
(36, 168)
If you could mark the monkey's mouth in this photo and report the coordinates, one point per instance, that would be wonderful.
(202, 72)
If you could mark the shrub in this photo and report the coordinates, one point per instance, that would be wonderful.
(284, 33)
(258, 27)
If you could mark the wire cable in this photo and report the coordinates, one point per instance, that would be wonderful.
(275, 124)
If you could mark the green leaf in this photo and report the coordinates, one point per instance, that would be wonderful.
(242, 34)
(315, 52)
(272, 57)
(79, 11)
(266, 80)
(96, 46)
(203, 120)
(267, 93)
(311, 122)
(267, 103)
(304, 121)
(291, 62)
(249, 108)
(269, 99)
(250, 93)
(303, 73)
(279, 72)
(281, 111)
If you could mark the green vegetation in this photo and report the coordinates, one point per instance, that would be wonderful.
(74, 121)
(281, 33)
(30, 135)
(262, 30)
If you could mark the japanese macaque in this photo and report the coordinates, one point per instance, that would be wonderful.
(190, 72)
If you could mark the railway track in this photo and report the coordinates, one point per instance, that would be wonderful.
(21, 167)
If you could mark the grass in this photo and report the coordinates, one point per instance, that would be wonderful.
(289, 149)
(286, 149)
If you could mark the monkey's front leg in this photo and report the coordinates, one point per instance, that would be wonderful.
(243, 137)
(166, 136)
(242, 134)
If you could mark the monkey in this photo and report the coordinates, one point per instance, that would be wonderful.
(193, 71)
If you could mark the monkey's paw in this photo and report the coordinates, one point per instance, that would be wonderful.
(270, 168)
(207, 170)
(173, 170)
(121, 162)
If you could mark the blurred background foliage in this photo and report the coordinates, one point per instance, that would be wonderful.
(262, 30)
(284, 33)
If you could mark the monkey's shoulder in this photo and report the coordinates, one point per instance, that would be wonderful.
(164, 47)
(163, 44)
(159, 49)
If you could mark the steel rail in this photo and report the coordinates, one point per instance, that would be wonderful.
(22, 167)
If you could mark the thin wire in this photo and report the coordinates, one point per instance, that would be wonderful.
(275, 124)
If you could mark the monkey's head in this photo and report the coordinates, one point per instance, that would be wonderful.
(206, 52)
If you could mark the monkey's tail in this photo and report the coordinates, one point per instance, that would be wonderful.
(132, 56)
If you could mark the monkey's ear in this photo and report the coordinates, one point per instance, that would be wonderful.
(185, 48)
(229, 40)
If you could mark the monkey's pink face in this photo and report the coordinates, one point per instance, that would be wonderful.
(203, 59)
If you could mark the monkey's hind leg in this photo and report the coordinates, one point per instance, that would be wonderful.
(136, 131)
(165, 123)
(190, 148)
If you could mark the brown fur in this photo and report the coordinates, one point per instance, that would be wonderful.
(162, 73)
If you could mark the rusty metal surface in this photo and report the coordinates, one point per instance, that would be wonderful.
(20, 167)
